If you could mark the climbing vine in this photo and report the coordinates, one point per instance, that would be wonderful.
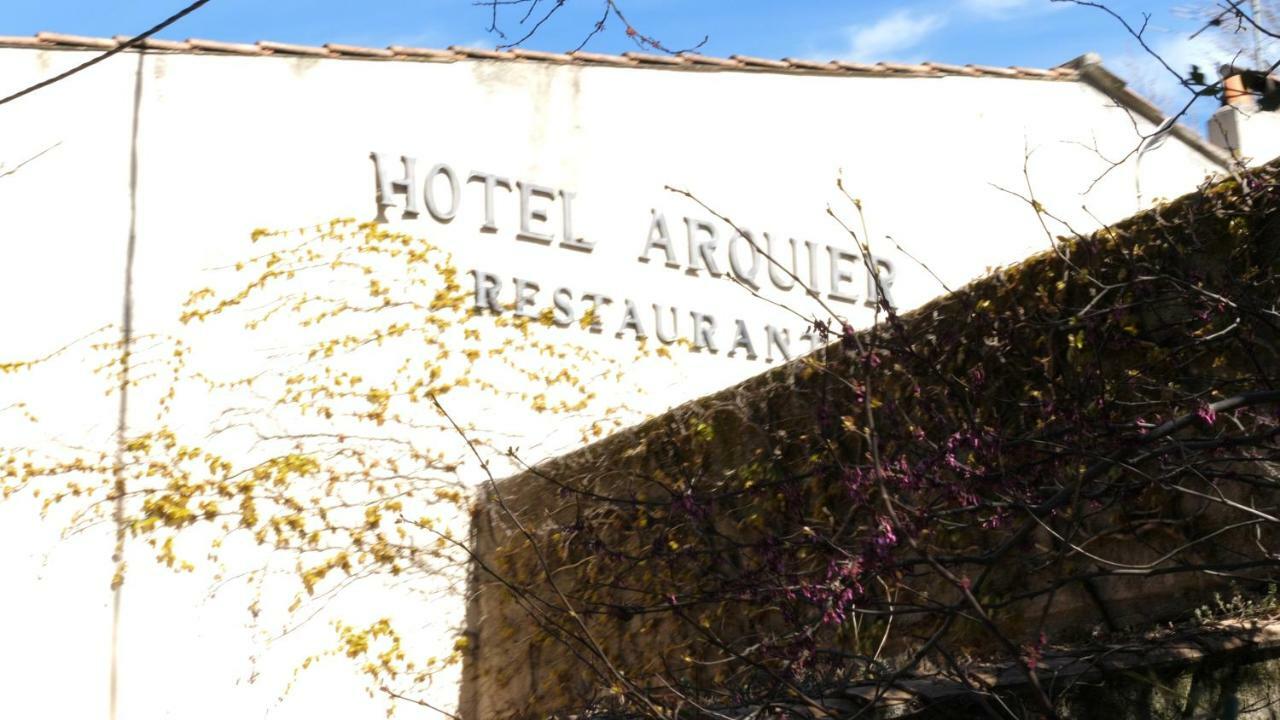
(1066, 454)
(293, 427)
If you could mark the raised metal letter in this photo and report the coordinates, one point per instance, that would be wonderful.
(488, 286)
(780, 339)
(571, 241)
(777, 275)
(666, 338)
(529, 214)
(597, 301)
(631, 321)
(490, 182)
(813, 267)
(659, 237)
(702, 250)
(387, 187)
(747, 277)
(564, 314)
(840, 275)
(455, 193)
(880, 283)
(742, 339)
(526, 291)
(704, 332)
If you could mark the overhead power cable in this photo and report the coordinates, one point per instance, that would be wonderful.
(132, 42)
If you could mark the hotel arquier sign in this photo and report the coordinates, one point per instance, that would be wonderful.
(541, 215)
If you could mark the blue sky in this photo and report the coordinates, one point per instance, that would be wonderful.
(1036, 33)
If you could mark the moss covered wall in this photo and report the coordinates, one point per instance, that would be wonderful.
(1051, 387)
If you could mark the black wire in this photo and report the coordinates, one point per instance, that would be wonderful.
(133, 42)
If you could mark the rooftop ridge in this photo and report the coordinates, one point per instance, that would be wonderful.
(1087, 68)
(684, 61)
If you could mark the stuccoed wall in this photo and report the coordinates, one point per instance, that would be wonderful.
(663, 536)
(224, 144)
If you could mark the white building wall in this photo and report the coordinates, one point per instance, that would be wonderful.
(1251, 134)
(229, 144)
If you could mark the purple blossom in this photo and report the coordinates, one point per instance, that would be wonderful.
(996, 521)
(1207, 414)
(848, 336)
(977, 377)
(886, 538)
(690, 506)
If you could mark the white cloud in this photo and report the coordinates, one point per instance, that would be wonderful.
(1150, 78)
(994, 7)
(891, 35)
(1002, 10)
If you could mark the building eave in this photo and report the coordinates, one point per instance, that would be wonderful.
(1092, 72)
(1087, 68)
(678, 61)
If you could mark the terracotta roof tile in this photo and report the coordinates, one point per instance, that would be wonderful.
(601, 58)
(76, 40)
(481, 53)
(291, 49)
(455, 53)
(358, 51)
(858, 67)
(993, 70)
(921, 69)
(424, 53)
(760, 62)
(696, 59)
(21, 41)
(655, 59)
(951, 69)
(802, 64)
(1086, 68)
(541, 55)
(154, 44)
(224, 47)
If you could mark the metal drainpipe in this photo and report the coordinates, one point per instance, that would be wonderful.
(1153, 141)
(122, 419)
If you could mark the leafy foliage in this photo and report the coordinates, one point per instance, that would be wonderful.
(296, 424)
(1070, 448)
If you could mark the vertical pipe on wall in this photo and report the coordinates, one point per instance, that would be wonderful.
(122, 418)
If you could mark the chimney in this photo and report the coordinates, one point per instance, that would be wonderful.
(1248, 124)
(1235, 94)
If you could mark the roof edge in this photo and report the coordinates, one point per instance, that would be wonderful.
(677, 61)
(1090, 69)
(1087, 68)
